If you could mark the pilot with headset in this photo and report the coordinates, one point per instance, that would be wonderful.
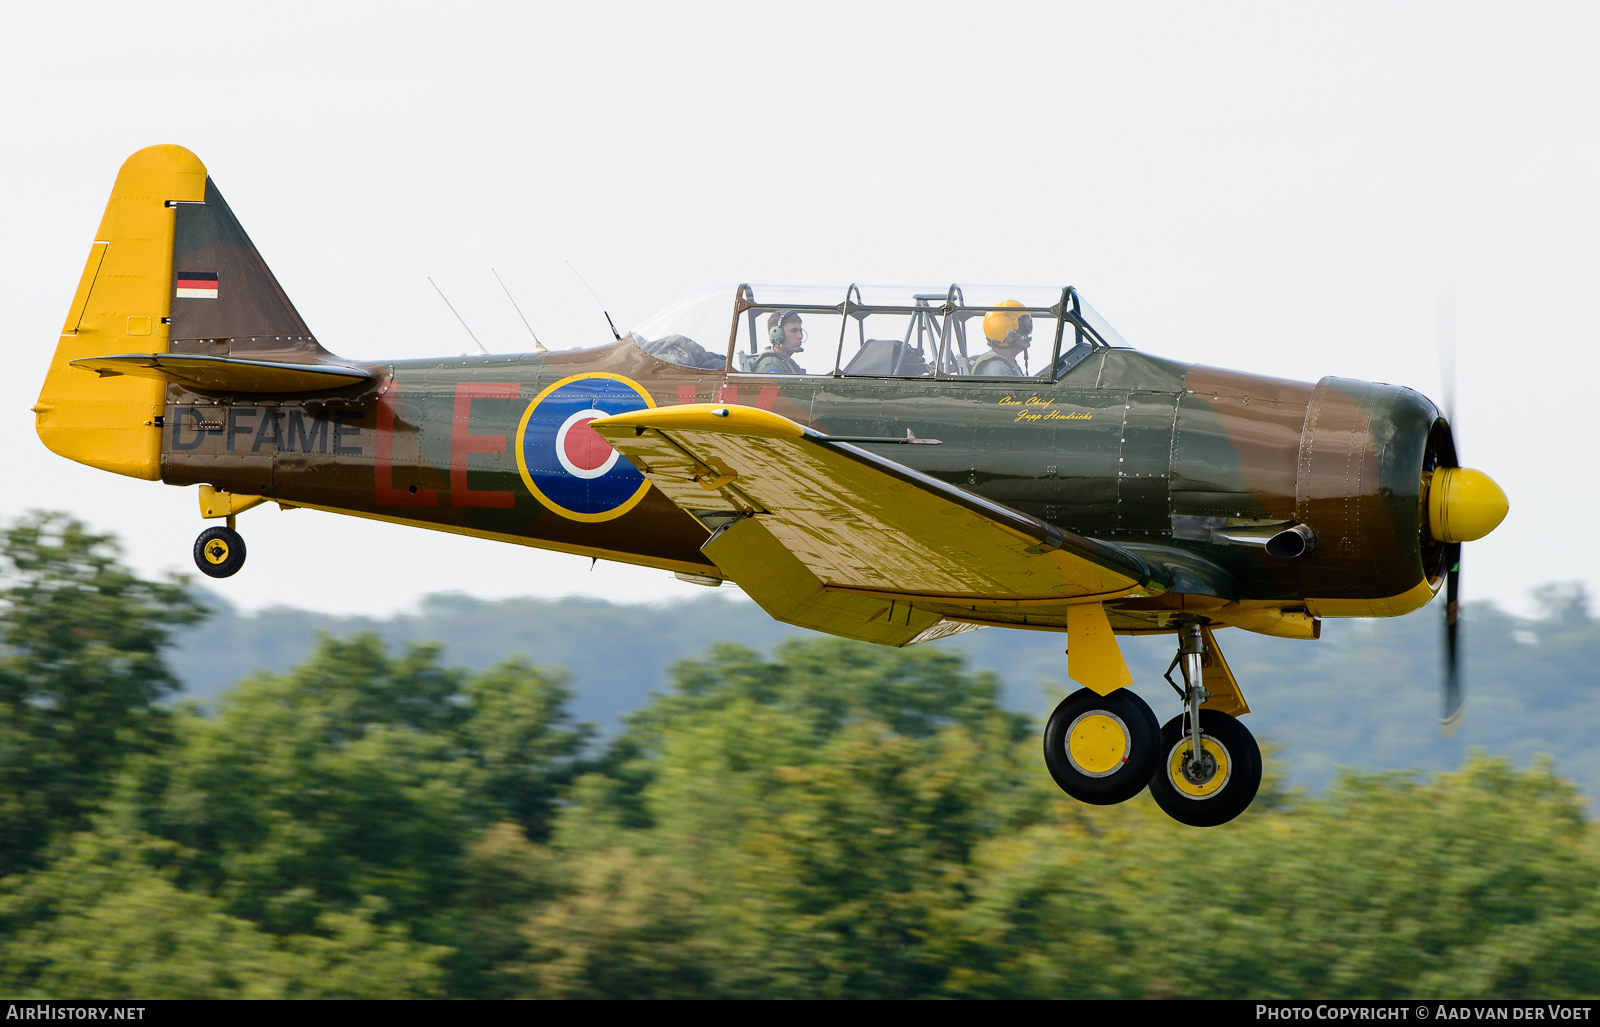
(788, 337)
(1009, 337)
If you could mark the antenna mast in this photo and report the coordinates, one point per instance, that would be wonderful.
(597, 299)
(538, 347)
(463, 320)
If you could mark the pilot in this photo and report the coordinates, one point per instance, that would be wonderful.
(788, 337)
(1009, 337)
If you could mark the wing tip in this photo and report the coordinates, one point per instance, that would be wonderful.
(721, 418)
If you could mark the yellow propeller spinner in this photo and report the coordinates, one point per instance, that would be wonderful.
(1464, 505)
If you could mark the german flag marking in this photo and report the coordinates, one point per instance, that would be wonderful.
(196, 285)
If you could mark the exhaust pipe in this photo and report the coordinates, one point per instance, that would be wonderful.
(1293, 542)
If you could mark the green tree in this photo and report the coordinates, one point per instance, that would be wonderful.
(311, 791)
(765, 831)
(1482, 883)
(81, 675)
(105, 921)
(818, 806)
(833, 820)
(364, 775)
(627, 926)
(819, 686)
(519, 733)
(504, 876)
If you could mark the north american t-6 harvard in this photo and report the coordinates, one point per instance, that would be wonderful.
(890, 465)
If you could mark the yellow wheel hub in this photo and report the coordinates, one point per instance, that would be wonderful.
(216, 552)
(1097, 743)
(1208, 778)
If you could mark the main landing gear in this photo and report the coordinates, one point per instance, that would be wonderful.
(1203, 767)
(1211, 765)
(219, 552)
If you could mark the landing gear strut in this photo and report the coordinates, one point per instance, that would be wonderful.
(219, 552)
(1211, 766)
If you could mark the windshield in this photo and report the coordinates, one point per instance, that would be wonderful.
(1108, 335)
(692, 332)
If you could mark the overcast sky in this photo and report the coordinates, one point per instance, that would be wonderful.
(1278, 188)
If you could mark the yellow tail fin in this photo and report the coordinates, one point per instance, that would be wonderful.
(122, 305)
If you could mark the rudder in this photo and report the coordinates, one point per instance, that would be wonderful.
(122, 304)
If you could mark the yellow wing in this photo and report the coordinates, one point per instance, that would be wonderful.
(827, 535)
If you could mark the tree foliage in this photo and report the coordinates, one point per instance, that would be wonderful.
(80, 676)
(361, 777)
(105, 921)
(861, 861)
(832, 819)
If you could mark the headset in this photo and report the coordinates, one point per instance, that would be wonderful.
(775, 333)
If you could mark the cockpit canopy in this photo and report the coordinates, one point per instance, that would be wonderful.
(880, 331)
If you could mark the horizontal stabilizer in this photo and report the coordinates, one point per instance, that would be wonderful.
(227, 374)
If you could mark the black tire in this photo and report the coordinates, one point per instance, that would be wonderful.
(219, 552)
(1102, 778)
(1201, 804)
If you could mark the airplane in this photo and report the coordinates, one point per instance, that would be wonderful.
(911, 483)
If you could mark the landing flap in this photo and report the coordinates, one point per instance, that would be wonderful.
(784, 587)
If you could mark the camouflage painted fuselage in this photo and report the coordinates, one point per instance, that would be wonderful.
(1125, 447)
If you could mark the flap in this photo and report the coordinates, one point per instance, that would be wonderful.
(859, 522)
(781, 585)
(227, 374)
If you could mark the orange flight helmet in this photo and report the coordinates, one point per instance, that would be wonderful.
(1004, 327)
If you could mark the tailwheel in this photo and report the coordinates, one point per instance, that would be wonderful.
(1218, 785)
(1102, 749)
(219, 552)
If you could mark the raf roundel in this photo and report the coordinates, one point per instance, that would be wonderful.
(581, 450)
(565, 463)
